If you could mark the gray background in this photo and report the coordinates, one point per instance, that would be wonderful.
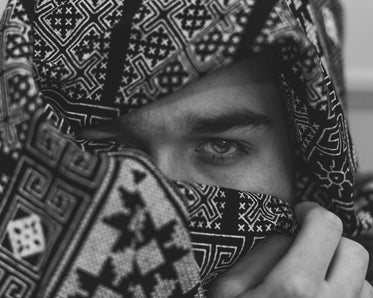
(359, 74)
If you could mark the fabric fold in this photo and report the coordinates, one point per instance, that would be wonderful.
(86, 219)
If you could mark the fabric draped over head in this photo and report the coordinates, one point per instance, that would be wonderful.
(85, 219)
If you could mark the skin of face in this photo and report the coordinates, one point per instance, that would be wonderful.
(228, 129)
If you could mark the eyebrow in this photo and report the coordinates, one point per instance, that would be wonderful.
(195, 124)
(228, 120)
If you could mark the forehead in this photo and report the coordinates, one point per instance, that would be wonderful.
(250, 83)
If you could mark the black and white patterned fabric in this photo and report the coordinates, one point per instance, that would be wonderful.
(84, 219)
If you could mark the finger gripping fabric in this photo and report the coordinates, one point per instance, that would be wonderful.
(85, 219)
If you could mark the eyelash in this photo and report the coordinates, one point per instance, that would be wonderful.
(213, 159)
(224, 159)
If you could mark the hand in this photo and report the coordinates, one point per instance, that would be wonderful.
(319, 262)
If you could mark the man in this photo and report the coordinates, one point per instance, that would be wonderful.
(228, 129)
(81, 218)
(231, 129)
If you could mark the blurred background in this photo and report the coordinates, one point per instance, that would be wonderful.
(359, 77)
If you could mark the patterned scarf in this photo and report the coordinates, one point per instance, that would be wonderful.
(86, 219)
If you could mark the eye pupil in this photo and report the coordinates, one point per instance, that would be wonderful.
(221, 147)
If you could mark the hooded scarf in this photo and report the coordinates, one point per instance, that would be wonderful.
(89, 219)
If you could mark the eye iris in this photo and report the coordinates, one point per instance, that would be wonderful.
(221, 147)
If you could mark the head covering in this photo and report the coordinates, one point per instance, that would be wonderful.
(85, 219)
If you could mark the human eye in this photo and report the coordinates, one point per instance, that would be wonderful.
(221, 151)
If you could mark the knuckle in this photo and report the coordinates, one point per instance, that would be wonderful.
(296, 286)
(226, 287)
(368, 290)
(356, 250)
(331, 220)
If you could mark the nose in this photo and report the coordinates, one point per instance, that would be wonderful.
(172, 164)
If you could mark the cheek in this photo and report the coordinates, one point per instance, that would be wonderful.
(278, 170)
(262, 175)
(266, 179)
(271, 172)
(279, 182)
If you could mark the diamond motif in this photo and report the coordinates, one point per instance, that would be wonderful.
(173, 77)
(194, 17)
(64, 19)
(26, 236)
(159, 46)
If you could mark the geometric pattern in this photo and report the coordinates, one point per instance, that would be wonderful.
(83, 219)
(167, 45)
(26, 236)
(218, 240)
(128, 249)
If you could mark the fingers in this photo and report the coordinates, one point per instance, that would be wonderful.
(319, 263)
(250, 270)
(349, 267)
(313, 248)
(367, 291)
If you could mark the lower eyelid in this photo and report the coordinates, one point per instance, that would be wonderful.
(243, 149)
(215, 159)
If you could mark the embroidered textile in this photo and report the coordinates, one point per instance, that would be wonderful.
(83, 219)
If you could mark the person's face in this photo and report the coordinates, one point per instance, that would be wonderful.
(229, 129)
